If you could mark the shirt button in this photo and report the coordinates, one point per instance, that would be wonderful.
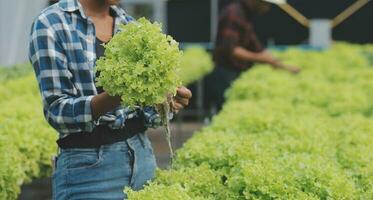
(90, 39)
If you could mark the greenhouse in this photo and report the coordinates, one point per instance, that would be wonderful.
(186, 100)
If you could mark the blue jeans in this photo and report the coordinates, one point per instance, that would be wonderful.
(102, 173)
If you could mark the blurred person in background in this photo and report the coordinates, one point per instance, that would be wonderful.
(238, 48)
(103, 145)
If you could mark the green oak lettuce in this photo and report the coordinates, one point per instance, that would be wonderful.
(140, 64)
(283, 136)
(195, 64)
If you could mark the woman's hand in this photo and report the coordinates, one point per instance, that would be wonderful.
(266, 57)
(289, 68)
(181, 99)
(292, 69)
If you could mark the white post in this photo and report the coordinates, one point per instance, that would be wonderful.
(160, 13)
(320, 33)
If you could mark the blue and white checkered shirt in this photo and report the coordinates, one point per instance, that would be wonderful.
(62, 51)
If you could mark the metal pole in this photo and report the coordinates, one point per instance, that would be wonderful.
(348, 12)
(160, 13)
(200, 98)
(214, 4)
(295, 14)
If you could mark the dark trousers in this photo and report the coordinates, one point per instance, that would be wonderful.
(217, 83)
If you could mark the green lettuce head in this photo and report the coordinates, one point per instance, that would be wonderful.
(140, 64)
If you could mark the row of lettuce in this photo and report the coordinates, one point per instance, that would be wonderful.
(26, 141)
(283, 136)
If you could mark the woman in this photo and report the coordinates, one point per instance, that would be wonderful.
(237, 47)
(103, 147)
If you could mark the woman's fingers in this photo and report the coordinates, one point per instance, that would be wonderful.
(182, 101)
(177, 107)
(184, 92)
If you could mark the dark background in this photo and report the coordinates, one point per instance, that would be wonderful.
(189, 21)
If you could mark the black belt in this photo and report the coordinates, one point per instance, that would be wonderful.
(103, 135)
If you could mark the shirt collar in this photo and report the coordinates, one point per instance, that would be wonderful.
(74, 5)
(118, 11)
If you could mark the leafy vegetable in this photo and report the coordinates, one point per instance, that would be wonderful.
(195, 63)
(8, 73)
(140, 64)
(281, 136)
(27, 142)
(27, 139)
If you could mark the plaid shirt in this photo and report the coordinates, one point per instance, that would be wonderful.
(62, 51)
(235, 29)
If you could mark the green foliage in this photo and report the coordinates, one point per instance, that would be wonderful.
(140, 64)
(195, 64)
(155, 191)
(26, 141)
(147, 67)
(7, 73)
(192, 183)
(283, 136)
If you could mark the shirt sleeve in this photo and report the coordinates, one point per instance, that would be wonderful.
(152, 118)
(64, 109)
